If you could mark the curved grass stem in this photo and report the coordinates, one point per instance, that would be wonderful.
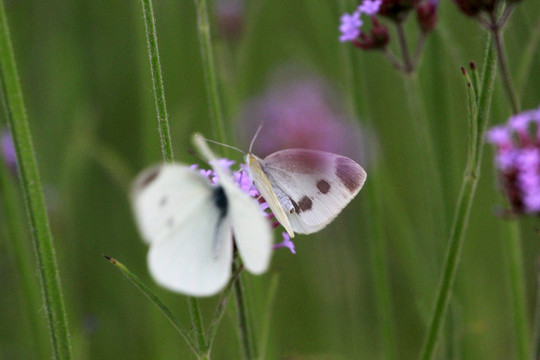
(33, 195)
(157, 80)
(505, 74)
(464, 203)
(247, 337)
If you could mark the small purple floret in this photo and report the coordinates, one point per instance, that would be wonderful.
(350, 26)
(370, 7)
(286, 243)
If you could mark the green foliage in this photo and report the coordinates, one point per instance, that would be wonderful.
(88, 91)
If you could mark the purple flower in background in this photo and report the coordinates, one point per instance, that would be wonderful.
(299, 110)
(230, 16)
(518, 160)
(370, 7)
(8, 151)
(350, 26)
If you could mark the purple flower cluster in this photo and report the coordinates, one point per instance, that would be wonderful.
(301, 110)
(395, 10)
(242, 179)
(351, 23)
(518, 159)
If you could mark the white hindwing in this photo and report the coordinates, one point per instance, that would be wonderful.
(190, 240)
(319, 184)
(251, 228)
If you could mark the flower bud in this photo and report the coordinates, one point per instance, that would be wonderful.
(426, 14)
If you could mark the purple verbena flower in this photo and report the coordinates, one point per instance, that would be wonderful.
(301, 110)
(350, 26)
(286, 243)
(370, 7)
(240, 177)
(518, 159)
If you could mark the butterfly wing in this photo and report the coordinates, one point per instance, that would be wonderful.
(251, 228)
(319, 184)
(190, 236)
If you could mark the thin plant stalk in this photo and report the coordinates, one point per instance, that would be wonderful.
(247, 338)
(528, 56)
(265, 328)
(205, 42)
(378, 252)
(164, 133)
(478, 116)
(33, 196)
(154, 299)
(222, 306)
(14, 231)
(157, 80)
(405, 53)
(512, 246)
(209, 69)
(197, 321)
(496, 29)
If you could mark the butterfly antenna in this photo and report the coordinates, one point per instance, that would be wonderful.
(255, 136)
(222, 144)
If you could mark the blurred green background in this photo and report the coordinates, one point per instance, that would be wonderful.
(87, 86)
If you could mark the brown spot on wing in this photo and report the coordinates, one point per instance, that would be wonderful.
(305, 204)
(349, 173)
(147, 177)
(323, 186)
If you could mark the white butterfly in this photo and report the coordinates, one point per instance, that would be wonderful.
(190, 224)
(305, 189)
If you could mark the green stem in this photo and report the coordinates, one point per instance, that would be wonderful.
(512, 246)
(157, 80)
(154, 299)
(465, 200)
(17, 238)
(505, 74)
(528, 56)
(166, 146)
(407, 61)
(209, 69)
(247, 337)
(33, 195)
(196, 320)
(222, 306)
(271, 299)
